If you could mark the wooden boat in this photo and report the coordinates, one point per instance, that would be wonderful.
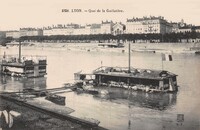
(60, 100)
(90, 89)
(82, 87)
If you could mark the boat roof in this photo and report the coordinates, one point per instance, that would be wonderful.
(84, 72)
(134, 73)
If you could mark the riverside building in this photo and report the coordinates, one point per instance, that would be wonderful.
(82, 30)
(185, 29)
(47, 31)
(106, 27)
(60, 29)
(118, 28)
(30, 32)
(147, 25)
(14, 34)
(95, 29)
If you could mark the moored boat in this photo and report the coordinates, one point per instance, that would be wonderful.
(23, 66)
(137, 79)
(28, 66)
(148, 80)
(60, 100)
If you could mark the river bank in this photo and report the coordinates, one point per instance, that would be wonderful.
(180, 48)
(32, 119)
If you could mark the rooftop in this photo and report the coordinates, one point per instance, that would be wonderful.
(135, 73)
(145, 18)
(30, 29)
(119, 24)
(107, 22)
(12, 60)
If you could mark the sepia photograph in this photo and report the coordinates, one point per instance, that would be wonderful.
(99, 65)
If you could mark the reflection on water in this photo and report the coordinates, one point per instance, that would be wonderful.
(119, 108)
(153, 101)
(159, 101)
(14, 84)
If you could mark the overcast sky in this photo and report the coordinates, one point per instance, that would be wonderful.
(38, 13)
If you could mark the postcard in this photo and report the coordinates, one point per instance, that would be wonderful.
(99, 64)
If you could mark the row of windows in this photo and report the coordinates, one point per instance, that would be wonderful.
(144, 26)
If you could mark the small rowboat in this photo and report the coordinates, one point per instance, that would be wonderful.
(60, 100)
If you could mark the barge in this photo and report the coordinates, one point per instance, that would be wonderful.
(136, 79)
(23, 66)
(28, 66)
(132, 78)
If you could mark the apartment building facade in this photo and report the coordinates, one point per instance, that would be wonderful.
(30, 32)
(14, 34)
(147, 25)
(106, 27)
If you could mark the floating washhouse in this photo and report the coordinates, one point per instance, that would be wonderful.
(128, 77)
(137, 79)
(26, 66)
(23, 66)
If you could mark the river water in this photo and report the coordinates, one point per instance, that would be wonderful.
(120, 109)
